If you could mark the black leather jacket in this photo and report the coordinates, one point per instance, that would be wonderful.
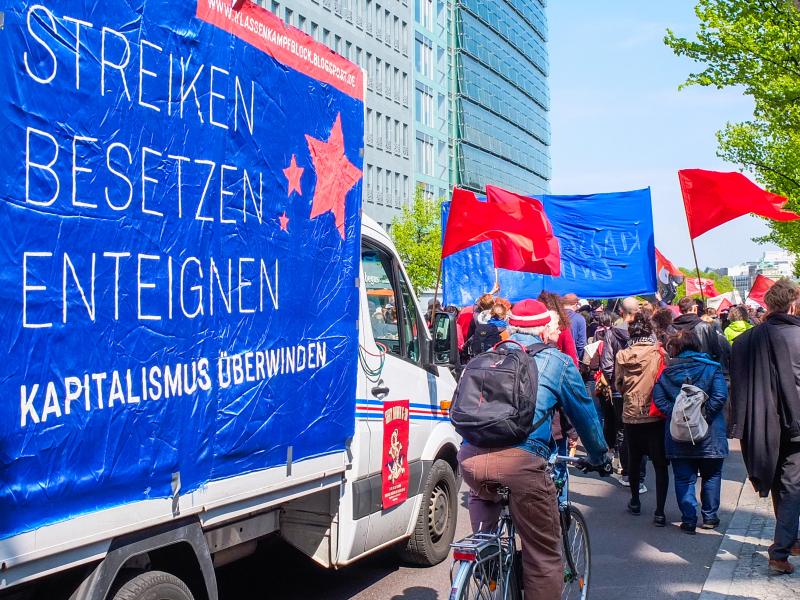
(615, 340)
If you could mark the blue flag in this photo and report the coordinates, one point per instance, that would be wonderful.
(607, 251)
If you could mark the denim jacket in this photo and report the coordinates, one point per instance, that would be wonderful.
(560, 385)
(707, 375)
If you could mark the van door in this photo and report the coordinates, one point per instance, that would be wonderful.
(399, 334)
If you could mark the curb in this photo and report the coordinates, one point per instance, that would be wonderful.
(720, 577)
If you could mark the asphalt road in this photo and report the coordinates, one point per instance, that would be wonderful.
(631, 559)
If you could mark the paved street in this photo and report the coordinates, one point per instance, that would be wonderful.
(740, 571)
(631, 558)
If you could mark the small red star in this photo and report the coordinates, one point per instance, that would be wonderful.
(284, 222)
(336, 175)
(293, 174)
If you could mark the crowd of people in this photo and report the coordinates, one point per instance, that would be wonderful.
(668, 385)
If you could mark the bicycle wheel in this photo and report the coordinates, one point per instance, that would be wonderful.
(484, 579)
(576, 553)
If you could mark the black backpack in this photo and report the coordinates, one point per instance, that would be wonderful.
(485, 337)
(495, 400)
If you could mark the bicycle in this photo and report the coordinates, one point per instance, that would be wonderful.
(488, 566)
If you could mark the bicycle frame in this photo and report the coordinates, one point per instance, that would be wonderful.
(487, 549)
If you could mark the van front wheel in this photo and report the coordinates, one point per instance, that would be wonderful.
(153, 585)
(436, 522)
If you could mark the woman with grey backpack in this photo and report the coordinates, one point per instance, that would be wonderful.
(692, 393)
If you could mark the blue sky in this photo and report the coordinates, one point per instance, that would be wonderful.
(619, 121)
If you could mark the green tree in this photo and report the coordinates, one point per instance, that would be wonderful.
(417, 235)
(753, 45)
(721, 283)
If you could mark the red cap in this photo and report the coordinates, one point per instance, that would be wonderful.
(529, 313)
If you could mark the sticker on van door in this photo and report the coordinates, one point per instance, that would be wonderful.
(394, 472)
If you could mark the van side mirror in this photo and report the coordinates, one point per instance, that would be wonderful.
(445, 340)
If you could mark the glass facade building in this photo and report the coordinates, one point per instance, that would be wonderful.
(500, 130)
(431, 88)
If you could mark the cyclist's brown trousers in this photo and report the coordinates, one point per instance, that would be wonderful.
(534, 508)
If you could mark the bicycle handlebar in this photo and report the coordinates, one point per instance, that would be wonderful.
(604, 469)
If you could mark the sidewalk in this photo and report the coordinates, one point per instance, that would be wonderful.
(740, 569)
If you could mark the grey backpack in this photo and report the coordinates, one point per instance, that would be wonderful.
(688, 422)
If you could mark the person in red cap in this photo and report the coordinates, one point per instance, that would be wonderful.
(523, 469)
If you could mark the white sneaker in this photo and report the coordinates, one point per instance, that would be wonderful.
(625, 481)
(642, 488)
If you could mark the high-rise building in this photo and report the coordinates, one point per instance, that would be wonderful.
(500, 131)
(378, 36)
(431, 92)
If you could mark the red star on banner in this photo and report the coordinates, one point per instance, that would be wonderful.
(284, 222)
(336, 175)
(293, 174)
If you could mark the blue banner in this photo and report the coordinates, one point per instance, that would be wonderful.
(179, 197)
(607, 251)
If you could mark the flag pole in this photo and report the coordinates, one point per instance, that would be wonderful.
(697, 266)
(436, 291)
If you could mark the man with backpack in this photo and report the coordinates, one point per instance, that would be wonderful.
(765, 370)
(503, 408)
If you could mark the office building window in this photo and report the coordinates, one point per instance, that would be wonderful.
(388, 81)
(424, 156)
(424, 13)
(326, 37)
(388, 133)
(405, 39)
(276, 8)
(301, 23)
(424, 105)
(289, 17)
(423, 59)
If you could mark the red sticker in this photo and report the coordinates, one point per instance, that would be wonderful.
(394, 473)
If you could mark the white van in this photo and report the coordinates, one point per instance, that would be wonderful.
(330, 507)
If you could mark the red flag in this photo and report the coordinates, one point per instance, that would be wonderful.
(522, 237)
(694, 287)
(724, 305)
(760, 288)
(662, 264)
(712, 198)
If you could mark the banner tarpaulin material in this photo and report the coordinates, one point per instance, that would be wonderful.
(181, 193)
(607, 251)
(394, 469)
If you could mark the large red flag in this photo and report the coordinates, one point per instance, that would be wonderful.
(761, 286)
(705, 287)
(522, 237)
(712, 198)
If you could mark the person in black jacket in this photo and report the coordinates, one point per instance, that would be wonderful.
(711, 342)
(766, 413)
